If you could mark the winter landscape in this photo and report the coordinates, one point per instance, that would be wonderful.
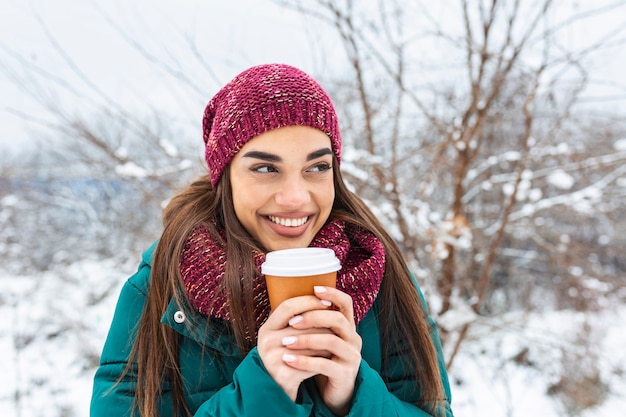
(489, 137)
(55, 323)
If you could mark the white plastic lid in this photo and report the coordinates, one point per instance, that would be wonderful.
(300, 261)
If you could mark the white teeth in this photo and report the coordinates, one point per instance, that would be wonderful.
(289, 222)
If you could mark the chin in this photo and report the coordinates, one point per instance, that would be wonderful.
(300, 243)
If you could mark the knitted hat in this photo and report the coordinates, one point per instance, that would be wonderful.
(260, 99)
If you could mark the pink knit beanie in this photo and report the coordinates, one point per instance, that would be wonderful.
(259, 99)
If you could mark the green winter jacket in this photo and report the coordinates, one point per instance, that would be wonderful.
(218, 381)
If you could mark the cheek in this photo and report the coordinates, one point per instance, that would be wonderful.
(243, 203)
(326, 197)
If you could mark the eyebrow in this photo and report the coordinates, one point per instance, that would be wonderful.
(270, 157)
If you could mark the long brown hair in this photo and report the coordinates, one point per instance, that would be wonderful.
(402, 317)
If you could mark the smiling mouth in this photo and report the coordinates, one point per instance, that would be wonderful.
(288, 222)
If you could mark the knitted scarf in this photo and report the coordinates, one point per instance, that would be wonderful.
(362, 256)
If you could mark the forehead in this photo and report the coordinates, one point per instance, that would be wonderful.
(288, 139)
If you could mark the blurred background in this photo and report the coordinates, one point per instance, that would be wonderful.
(488, 136)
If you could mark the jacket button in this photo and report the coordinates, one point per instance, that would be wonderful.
(179, 317)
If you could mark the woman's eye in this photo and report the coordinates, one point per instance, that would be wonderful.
(323, 167)
(264, 169)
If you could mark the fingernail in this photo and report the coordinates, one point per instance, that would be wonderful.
(295, 320)
(289, 358)
(327, 303)
(289, 340)
(318, 288)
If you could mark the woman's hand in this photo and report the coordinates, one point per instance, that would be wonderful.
(305, 337)
(338, 375)
(277, 335)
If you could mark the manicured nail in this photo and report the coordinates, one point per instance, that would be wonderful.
(295, 320)
(327, 303)
(289, 340)
(319, 289)
(289, 358)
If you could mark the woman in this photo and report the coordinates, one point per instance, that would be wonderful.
(193, 334)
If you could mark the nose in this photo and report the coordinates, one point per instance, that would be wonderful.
(293, 192)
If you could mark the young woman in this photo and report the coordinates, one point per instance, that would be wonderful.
(193, 335)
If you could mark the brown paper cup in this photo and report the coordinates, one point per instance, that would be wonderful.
(294, 272)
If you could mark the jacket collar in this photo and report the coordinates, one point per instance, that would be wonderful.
(212, 333)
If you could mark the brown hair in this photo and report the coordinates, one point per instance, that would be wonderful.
(402, 314)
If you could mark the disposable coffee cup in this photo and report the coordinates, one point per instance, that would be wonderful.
(294, 272)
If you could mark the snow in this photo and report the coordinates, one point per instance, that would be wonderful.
(457, 317)
(511, 365)
(9, 200)
(121, 152)
(168, 147)
(620, 145)
(53, 329)
(131, 170)
(561, 179)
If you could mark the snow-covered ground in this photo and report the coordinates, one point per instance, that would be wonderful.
(52, 331)
(545, 365)
(518, 365)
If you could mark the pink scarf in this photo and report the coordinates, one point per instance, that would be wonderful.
(362, 256)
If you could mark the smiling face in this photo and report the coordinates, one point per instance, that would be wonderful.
(282, 185)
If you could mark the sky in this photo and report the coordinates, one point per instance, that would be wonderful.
(232, 35)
